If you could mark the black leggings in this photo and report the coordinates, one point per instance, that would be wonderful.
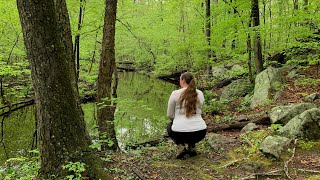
(190, 138)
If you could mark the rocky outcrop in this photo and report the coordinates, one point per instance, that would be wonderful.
(236, 89)
(218, 140)
(303, 126)
(283, 114)
(274, 145)
(267, 82)
(313, 98)
(249, 127)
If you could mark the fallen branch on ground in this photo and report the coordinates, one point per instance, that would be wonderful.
(232, 162)
(263, 119)
(308, 170)
(138, 173)
(256, 175)
(286, 168)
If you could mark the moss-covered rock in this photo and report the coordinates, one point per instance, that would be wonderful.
(267, 82)
(283, 114)
(305, 125)
(236, 89)
(274, 145)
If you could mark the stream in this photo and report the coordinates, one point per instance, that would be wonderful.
(140, 116)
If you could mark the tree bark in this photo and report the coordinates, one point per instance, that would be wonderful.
(106, 68)
(208, 34)
(249, 51)
(64, 27)
(257, 40)
(61, 128)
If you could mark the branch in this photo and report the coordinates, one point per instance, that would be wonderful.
(138, 173)
(286, 168)
(308, 170)
(233, 162)
(14, 45)
(139, 40)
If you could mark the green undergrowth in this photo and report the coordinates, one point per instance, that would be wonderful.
(309, 145)
(23, 168)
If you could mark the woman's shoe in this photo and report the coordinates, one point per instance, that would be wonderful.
(181, 151)
(192, 150)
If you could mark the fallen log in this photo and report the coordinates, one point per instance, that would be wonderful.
(222, 83)
(7, 109)
(262, 120)
(172, 78)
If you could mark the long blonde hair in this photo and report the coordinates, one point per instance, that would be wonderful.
(189, 98)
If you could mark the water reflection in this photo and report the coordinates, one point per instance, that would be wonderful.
(18, 132)
(140, 115)
(141, 109)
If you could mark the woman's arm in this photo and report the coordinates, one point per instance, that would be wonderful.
(171, 106)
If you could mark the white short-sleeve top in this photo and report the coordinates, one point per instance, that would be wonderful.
(182, 123)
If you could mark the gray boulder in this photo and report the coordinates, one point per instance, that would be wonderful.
(304, 126)
(283, 114)
(218, 72)
(267, 82)
(249, 127)
(218, 140)
(236, 89)
(312, 97)
(274, 145)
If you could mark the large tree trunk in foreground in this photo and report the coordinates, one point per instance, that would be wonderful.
(61, 129)
(106, 67)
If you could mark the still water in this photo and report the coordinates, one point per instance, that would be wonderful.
(140, 116)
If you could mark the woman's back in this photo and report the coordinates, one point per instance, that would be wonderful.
(182, 123)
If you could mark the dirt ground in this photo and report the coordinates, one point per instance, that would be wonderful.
(239, 160)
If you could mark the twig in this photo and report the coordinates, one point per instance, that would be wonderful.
(271, 173)
(138, 173)
(247, 140)
(232, 162)
(308, 170)
(286, 168)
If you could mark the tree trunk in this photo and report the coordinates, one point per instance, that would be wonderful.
(93, 59)
(233, 42)
(249, 51)
(264, 23)
(64, 26)
(106, 67)
(61, 128)
(257, 40)
(77, 38)
(270, 19)
(208, 34)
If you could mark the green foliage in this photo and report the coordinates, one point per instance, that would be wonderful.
(23, 168)
(275, 127)
(253, 140)
(211, 102)
(306, 81)
(97, 145)
(74, 169)
(309, 145)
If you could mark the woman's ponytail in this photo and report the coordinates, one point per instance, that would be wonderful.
(189, 98)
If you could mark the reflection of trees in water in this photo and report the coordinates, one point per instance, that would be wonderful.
(18, 131)
(144, 101)
(2, 138)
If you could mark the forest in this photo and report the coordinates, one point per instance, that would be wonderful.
(84, 88)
